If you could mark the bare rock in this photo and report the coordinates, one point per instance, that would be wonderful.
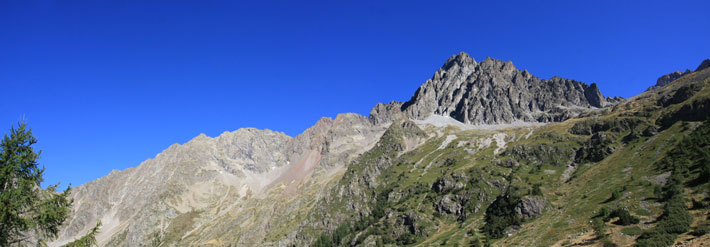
(668, 78)
(531, 207)
(495, 92)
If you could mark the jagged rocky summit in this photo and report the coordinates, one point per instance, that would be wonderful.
(495, 92)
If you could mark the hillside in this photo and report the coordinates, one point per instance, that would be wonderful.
(483, 154)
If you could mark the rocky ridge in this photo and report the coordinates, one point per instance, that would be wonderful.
(670, 77)
(213, 182)
(206, 173)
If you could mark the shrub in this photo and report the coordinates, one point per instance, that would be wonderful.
(701, 229)
(625, 218)
(614, 195)
(501, 214)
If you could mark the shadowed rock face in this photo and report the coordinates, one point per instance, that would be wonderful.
(495, 92)
(703, 65)
(671, 77)
(667, 79)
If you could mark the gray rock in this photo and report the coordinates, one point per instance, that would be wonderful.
(444, 184)
(495, 92)
(448, 204)
(531, 207)
(386, 113)
(507, 163)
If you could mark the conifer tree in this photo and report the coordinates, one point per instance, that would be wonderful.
(27, 212)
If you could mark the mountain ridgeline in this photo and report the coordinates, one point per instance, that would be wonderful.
(483, 154)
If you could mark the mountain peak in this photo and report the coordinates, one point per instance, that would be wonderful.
(703, 65)
(461, 59)
(495, 92)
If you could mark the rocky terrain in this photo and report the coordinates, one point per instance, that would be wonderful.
(482, 154)
(495, 92)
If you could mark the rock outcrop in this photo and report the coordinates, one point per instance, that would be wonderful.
(668, 78)
(671, 77)
(530, 207)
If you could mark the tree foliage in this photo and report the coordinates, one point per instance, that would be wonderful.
(690, 158)
(87, 240)
(27, 212)
(501, 214)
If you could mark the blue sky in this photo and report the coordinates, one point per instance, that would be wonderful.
(108, 84)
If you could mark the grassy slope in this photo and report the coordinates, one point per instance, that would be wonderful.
(629, 170)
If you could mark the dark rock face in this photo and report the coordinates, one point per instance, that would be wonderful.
(495, 92)
(704, 65)
(593, 95)
(668, 78)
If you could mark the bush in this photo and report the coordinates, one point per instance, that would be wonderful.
(625, 218)
(614, 195)
(701, 229)
(655, 238)
(500, 215)
(604, 214)
(676, 218)
(599, 228)
(536, 191)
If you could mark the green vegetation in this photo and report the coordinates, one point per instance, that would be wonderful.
(179, 226)
(600, 232)
(24, 207)
(632, 231)
(625, 218)
(687, 158)
(501, 214)
(615, 162)
(87, 240)
(701, 229)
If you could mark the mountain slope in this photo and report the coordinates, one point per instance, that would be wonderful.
(481, 150)
(532, 186)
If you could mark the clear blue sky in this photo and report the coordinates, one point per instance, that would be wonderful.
(108, 84)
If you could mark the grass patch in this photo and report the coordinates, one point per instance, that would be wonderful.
(632, 231)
